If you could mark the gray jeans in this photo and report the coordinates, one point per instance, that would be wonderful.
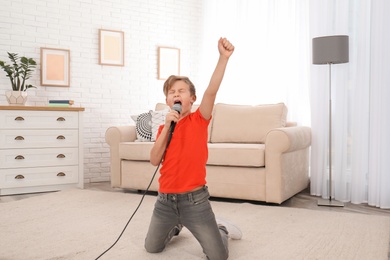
(192, 210)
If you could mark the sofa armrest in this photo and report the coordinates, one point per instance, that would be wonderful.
(117, 134)
(286, 162)
(114, 136)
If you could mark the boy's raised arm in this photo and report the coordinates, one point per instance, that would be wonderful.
(225, 49)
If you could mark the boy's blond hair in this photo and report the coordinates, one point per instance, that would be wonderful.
(172, 79)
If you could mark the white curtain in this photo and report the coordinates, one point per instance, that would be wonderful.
(272, 63)
(360, 101)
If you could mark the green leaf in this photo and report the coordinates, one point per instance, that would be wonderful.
(20, 70)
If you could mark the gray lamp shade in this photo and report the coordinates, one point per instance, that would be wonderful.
(331, 49)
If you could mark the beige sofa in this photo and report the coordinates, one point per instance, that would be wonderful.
(254, 154)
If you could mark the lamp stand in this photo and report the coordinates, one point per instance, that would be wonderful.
(329, 202)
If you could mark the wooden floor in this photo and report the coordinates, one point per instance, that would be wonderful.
(301, 200)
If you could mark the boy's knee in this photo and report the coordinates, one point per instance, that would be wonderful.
(152, 250)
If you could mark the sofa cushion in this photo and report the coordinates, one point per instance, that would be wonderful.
(246, 124)
(137, 151)
(147, 123)
(158, 118)
(221, 154)
(161, 106)
(143, 126)
(232, 154)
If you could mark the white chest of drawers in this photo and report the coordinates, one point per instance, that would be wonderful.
(41, 149)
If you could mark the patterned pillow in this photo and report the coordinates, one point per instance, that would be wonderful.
(143, 126)
(158, 118)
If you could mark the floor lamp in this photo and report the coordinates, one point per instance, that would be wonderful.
(330, 50)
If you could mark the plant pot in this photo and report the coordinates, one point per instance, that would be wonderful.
(16, 98)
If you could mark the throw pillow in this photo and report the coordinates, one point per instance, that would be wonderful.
(245, 123)
(158, 118)
(143, 126)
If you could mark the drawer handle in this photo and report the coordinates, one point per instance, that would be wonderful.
(60, 137)
(61, 174)
(19, 118)
(61, 155)
(60, 119)
(19, 177)
(19, 138)
(19, 157)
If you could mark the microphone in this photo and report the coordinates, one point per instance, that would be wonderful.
(176, 107)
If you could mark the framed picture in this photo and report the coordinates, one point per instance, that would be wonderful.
(55, 67)
(168, 62)
(111, 48)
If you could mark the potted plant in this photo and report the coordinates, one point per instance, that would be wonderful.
(18, 72)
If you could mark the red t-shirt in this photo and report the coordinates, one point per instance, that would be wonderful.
(184, 165)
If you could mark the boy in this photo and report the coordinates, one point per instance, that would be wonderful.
(183, 197)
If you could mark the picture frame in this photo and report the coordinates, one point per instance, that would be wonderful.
(111, 47)
(55, 67)
(168, 62)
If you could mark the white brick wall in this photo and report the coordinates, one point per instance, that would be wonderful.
(110, 94)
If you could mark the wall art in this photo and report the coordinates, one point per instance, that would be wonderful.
(168, 62)
(111, 48)
(55, 67)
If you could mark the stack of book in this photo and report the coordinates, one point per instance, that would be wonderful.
(60, 103)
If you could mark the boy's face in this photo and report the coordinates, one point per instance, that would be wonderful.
(180, 92)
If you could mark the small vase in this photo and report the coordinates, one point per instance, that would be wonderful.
(16, 98)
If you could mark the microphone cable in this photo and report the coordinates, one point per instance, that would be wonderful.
(142, 198)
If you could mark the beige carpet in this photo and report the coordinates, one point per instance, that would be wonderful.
(81, 224)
